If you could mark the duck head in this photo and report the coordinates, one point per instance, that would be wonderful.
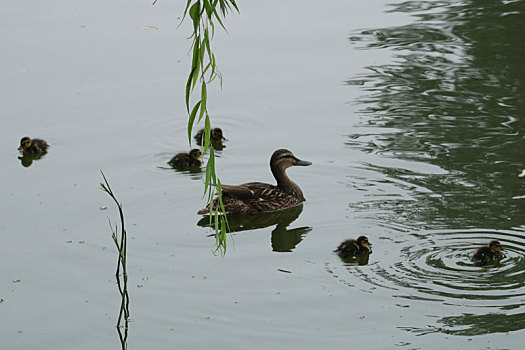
(25, 143)
(495, 246)
(217, 136)
(283, 158)
(195, 153)
(362, 241)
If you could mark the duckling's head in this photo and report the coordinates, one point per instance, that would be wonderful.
(495, 246)
(362, 241)
(216, 135)
(195, 153)
(283, 158)
(25, 143)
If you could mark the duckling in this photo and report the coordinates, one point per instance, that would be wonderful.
(353, 247)
(32, 146)
(258, 197)
(186, 159)
(489, 253)
(216, 137)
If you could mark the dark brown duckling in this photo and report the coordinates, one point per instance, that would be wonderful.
(186, 159)
(353, 247)
(32, 146)
(216, 137)
(259, 197)
(489, 253)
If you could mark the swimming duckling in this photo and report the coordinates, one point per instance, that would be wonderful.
(352, 247)
(186, 159)
(489, 253)
(32, 146)
(216, 137)
(259, 197)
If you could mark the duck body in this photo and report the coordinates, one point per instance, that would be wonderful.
(186, 159)
(259, 197)
(488, 254)
(353, 247)
(216, 137)
(33, 146)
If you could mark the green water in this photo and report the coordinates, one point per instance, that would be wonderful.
(411, 114)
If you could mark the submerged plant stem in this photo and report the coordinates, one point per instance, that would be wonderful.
(120, 276)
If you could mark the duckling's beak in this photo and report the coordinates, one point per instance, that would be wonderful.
(302, 162)
(20, 148)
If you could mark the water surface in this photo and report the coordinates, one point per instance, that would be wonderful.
(410, 113)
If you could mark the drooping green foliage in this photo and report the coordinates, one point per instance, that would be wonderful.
(203, 14)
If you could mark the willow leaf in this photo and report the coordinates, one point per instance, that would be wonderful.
(192, 119)
(195, 15)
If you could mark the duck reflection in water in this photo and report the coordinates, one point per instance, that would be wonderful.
(283, 239)
(27, 159)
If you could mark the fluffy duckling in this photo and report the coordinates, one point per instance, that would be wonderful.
(216, 136)
(487, 254)
(260, 197)
(186, 159)
(32, 146)
(352, 247)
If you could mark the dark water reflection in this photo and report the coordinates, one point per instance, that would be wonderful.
(283, 238)
(361, 259)
(452, 99)
(27, 159)
(449, 110)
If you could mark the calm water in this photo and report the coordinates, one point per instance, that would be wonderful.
(410, 113)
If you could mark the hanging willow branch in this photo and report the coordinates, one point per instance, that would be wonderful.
(204, 70)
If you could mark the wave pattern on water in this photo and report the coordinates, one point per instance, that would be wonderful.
(435, 267)
(452, 97)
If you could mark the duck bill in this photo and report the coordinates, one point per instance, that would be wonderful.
(302, 162)
(19, 148)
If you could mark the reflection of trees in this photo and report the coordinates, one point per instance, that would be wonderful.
(470, 324)
(452, 98)
(283, 239)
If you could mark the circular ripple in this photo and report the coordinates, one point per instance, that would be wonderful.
(436, 266)
(164, 137)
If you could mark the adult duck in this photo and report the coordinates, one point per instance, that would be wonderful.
(259, 197)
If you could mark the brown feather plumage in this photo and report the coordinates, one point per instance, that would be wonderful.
(259, 197)
(33, 146)
(488, 254)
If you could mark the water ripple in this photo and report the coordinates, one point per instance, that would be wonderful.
(435, 267)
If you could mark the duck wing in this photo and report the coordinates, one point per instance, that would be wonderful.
(247, 191)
